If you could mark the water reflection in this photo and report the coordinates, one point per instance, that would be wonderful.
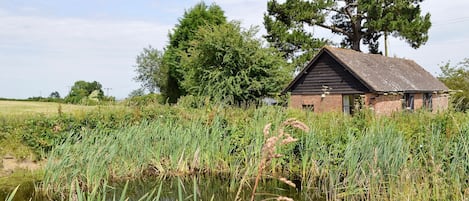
(26, 191)
(206, 188)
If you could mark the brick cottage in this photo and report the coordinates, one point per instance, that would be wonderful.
(346, 80)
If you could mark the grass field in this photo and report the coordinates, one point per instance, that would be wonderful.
(30, 107)
(47, 108)
(15, 115)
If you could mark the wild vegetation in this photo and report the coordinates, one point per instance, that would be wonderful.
(211, 57)
(456, 77)
(419, 155)
(88, 150)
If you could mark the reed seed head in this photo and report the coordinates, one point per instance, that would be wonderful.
(282, 198)
(288, 182)
(288, 140)
(267, 130)
(296, 124)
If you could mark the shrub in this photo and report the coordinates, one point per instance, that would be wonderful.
(149, 99)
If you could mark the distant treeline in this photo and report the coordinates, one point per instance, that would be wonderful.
(38, 98)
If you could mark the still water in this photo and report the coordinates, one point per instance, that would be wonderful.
(206, 188)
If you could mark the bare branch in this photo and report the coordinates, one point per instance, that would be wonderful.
(349, 14)
(334, 10)
(335, 29)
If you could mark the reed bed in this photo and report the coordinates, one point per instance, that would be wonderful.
(417, 156)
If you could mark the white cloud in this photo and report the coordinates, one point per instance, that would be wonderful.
(55, 52)
(448, 37)
(44, 54)
(249, 12)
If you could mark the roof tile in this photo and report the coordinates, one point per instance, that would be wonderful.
(387, 74)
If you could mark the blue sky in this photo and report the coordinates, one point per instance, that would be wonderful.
(47, 45)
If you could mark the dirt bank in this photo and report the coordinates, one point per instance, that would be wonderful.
(10, 164)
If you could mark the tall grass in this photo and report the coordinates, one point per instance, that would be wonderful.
(418, 156)
(165, 146)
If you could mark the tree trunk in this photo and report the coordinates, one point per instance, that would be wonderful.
(385, 43)
(357, 34)
(356, 42)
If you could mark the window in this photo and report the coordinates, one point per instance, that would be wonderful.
(408, 101)
(427, 101)
(352, 103)
(309, 107)
(347, 104)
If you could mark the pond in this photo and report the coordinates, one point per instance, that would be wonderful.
(207, 188)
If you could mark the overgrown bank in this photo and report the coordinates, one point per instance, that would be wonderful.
(419, 155)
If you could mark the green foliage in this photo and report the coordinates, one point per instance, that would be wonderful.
(148, 69)
(42, 99)
(190, 101)
(41, 133)
(227, 63)
(54, 95)
(457, 78)
(81, 91)
(288, 35)
(184, 32)
(145, 100)
(137, 92)
(400, 18)
(355, 20)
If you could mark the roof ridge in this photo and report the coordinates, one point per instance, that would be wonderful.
(332, 48)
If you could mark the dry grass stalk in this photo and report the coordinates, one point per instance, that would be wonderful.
(282, 198)
(270, 145)
(288, 182)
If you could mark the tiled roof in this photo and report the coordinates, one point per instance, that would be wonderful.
(383, 74)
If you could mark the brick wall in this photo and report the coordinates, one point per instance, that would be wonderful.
(330, 103)
(418, 101)
(392, 103)
(440, 102)
(382, 104)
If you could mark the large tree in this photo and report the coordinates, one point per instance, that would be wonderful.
(228, 62)
(179, 38)
(82, 90)
(54, 95)
(148, 69)
(290, 37)
(356, 20)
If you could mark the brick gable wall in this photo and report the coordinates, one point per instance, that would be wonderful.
(330, 103)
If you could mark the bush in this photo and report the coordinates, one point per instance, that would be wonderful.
(190, 101)
(150, 99)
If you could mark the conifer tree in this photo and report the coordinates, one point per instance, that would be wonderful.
(289, 24)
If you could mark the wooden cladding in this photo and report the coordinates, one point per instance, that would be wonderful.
(326, 72)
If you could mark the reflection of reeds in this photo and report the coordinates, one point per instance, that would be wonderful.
(270, 146)
(12, 194)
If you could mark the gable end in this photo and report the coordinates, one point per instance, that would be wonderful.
(324, 70)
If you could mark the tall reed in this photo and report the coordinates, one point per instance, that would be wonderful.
(271, 144)
(417, 155)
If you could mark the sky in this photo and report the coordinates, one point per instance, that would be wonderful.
(47, 45)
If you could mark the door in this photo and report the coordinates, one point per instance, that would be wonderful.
(409, 101)
(347, 103)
